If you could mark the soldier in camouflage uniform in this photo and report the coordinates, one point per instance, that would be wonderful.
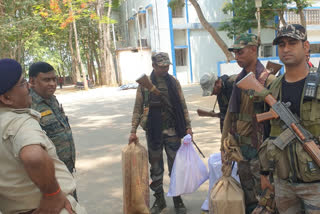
(296, 175)
(240, 120)
(43, 83)
(222, 88)
(166, 120)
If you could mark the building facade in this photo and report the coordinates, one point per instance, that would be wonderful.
(148, 26)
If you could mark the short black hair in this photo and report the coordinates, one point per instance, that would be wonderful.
(38, 67)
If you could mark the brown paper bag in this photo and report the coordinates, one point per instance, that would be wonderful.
(226, 197)
(135, 179)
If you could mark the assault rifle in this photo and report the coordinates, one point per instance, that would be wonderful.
(273, 67)
(145, 82)
(204, 113)
(281, 110)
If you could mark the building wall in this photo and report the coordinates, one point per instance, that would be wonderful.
(205, 53)
(212, 10)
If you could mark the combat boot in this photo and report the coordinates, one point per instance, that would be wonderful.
(159, 204)
(179, 206)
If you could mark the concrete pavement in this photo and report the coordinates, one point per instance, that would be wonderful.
(101, 121)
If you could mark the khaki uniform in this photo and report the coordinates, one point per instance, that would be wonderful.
(19, 128)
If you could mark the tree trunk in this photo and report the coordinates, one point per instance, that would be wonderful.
(282, 20)
(85, 83)
(212, 31)
(89, 65)
(107, 37)
(302, 18)
(103, 56)
(76, 73)
(303, 21)
(95, 54)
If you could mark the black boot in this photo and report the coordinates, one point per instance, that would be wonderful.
(179, 206)
(159, 204)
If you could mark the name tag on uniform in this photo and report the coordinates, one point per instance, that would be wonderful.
(45, 113)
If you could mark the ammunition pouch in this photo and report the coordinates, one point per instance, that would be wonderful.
(309, 171)
(277, 160)
(144, 118)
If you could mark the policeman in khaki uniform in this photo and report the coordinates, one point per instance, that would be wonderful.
(240, 124)
(296, 175)
(166, 120)
(54, 122)
(32, 178)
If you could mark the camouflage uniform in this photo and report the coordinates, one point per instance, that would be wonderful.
(170, 141)
(55, 123)
(297, 177)
(243, 126)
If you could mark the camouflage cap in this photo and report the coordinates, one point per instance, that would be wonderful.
(161, 59)
(295, 31)
(244, 40)
(207, 83)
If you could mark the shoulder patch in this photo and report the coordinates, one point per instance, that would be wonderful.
(45, 113)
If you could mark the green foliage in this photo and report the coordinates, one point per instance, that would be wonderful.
(38, 30)
(244, 14)
(173, 4)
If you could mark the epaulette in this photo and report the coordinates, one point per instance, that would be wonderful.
(36, 115)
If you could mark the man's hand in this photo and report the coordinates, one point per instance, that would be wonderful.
(133, 138)
(265, 183)
(53, 204)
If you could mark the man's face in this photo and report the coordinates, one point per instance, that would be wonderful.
(44, 84)
(18, 96)
(217, 87)
(160, 70)
(245, 56)
(292, 51)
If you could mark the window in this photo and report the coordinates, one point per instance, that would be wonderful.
(266, 50)
(181, 57)
(142, 21)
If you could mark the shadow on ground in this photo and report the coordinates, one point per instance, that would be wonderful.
(101, 122)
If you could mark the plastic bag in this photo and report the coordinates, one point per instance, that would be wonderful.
(215, 164)
(226, 197)
(188, 171)
(135, 179)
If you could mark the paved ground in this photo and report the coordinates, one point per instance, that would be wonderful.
(101, 119)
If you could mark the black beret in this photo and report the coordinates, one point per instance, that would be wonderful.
(10, 73)
(38, 67)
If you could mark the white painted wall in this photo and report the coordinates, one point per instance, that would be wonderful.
(134, 64)
(205, 53)
(180, 37)
(313, 35)
(212, 10)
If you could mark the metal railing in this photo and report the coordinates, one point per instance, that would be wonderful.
(312, 17)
